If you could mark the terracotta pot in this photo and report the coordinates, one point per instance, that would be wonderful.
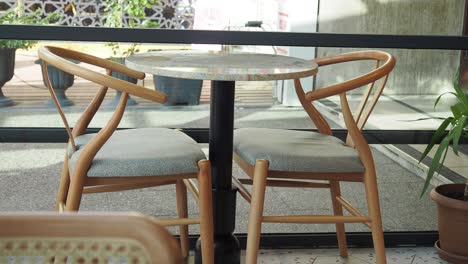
(453, 224)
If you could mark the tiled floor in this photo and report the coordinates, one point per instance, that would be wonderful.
(419, 255)
(422, 255)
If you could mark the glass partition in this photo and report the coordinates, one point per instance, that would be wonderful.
(407, 103)
(401, 17)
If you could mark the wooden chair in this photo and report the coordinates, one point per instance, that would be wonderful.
(85, 238)
(129, 159)
(297, 159)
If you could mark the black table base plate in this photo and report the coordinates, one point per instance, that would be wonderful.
(227, 250)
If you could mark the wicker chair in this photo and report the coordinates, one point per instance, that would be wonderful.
(85, 238)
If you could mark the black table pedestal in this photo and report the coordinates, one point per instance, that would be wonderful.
(227, 248)
(226, 245)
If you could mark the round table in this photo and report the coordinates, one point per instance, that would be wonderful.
(223, 69)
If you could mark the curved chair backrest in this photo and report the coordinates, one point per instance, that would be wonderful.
(85, 238)
(57, 57)
(384, 65)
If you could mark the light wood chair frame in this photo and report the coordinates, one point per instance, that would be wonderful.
(158, 244)
(73, 185)
(259, 172)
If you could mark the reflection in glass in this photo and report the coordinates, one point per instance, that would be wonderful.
(410, 95)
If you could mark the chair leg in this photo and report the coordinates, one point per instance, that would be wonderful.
(338, 210)
(63, 185)
(372, 197)
(256, 211)
(182, 212)
(74, 193)
(206, 211)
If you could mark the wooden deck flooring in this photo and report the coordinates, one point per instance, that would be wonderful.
(34, 93)
(28, 91)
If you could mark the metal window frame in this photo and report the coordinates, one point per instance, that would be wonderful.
(176, 36)
(328, 240)
(59, 135)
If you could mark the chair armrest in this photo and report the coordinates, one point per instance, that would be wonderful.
(345, 86)
(48, 54)
(93, 60)
(130, 88)
(379, 72)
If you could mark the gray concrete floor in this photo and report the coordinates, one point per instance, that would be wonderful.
(29, 176)
(29, 173)
(356, 256)
(180, 117)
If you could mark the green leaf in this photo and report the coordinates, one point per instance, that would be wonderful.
(134, 10)
(457, 110)
(457, 131)
(437, 135)
(440, 96)
(436, 162)
(460, 94)
(424, 118)
(18, 16)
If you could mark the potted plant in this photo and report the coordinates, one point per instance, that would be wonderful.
(60, 81)
(115, 17)
(179, 91)
(8, 47)
(451, 199)
(119, 55)
(7, 66)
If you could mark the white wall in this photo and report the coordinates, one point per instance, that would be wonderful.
(277, 15)
(301, 16)
(417, 72)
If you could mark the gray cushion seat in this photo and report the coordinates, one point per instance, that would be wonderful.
(297, 151)
(142, 152)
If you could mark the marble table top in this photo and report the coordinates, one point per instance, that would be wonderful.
(221, 66)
